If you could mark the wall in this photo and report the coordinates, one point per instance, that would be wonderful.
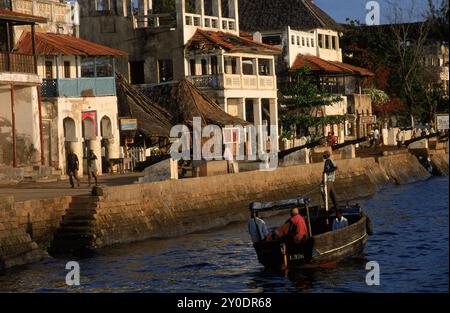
(27, 125)
(177, 207)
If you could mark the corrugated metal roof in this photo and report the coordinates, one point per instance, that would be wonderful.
(55, 44)
(317, 64)
(210, 40)
(9, 15)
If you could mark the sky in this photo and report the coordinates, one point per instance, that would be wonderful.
(356, 9)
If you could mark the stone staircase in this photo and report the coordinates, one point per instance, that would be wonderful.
(75, 235)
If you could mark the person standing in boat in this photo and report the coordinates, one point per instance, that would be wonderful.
(340, 221)
(295, 228)
(257, 228)
(329, 172)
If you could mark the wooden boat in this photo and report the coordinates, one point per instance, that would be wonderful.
(324, 246)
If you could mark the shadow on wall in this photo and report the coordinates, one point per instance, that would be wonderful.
(26, 152)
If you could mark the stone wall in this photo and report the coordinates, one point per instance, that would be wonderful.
(177, 207)
(170, 208)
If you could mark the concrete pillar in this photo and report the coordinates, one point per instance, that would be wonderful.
(173, 169)
(113, 148)
(241, 108)
(235, 10)
(274, 120)
(348, 152)
(257, 114)
(77, 148)
(385, 135)
(96, 145)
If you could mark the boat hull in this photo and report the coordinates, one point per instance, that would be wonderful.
(333, 246)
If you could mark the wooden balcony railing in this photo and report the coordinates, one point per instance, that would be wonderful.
(17, 63)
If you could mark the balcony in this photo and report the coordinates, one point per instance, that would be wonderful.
(17, 63)
(79, 87)
(233, 81)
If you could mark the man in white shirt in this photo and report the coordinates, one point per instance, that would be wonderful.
(257, 228)
(376, 137)
(340, 221)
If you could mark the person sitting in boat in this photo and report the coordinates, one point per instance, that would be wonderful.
(257, 227)
(340, 221)
(294, 228)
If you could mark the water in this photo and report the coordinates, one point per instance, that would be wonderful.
(410, 245)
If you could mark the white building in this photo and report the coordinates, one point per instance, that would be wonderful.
(79, 103)
(194, 39)
(310, 38)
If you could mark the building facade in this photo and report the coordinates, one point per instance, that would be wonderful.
(194, 39)
(310, 38)
(20, 111)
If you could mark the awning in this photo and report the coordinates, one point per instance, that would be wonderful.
(20, 18)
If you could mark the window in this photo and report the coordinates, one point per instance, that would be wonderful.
(320, 41)
(204, 67)
(293, 39)
(66, 69)
(334, 42)
(48, 69)
(192, 66)
(303, 41)
(264, 67)
(272, 40)
(87, 67)
(104, 67)
(248, 66)
(165, 70)
(298, 40)
(312, 42)
(231, 65)
(214, 65)
(327, 42)
(307, 42)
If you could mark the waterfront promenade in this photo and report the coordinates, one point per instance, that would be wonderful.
(24, 191)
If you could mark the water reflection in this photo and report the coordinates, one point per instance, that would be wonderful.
(410, 244)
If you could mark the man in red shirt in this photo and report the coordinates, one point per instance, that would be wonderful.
(294, 228)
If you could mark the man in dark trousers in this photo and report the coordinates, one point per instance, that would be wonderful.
(73, 166)
(92, 167)
(329, 172)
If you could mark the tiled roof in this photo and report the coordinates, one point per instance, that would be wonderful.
(322, 66)
(54, 44)
(209, 40)
(20, 17)
(264, 15)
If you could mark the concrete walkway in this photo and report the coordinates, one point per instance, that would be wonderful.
(35, 191)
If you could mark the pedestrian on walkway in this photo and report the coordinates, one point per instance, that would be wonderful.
(92, 166)
(73, 166)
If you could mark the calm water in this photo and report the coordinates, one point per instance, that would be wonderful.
(410, 244)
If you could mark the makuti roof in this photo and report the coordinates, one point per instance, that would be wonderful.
(265, 15)
(56, 44)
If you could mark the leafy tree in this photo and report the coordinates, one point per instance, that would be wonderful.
(302, 104)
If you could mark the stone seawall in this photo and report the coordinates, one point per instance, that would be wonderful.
(171, 208)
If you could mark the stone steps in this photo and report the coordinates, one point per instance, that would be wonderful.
(76, 231)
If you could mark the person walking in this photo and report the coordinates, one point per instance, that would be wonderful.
(73, 166)
(92, 167)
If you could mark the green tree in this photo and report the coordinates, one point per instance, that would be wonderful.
(303, 102)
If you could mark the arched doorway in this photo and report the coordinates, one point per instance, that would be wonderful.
(70, 136)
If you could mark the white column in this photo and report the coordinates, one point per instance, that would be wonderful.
(241, 108)
(236, 15)
(96, 145)
(219, 12)
(274, 119)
